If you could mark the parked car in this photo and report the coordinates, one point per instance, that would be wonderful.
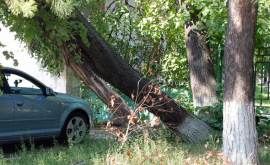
(28, 108)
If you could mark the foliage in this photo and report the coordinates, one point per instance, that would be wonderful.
(215, 111)
(175, 66)
(144, 23)
(10, 55)
(124, 24)
(95, 103)
(264, 154)
(184, 97)
(29, 29)
(160, 23)
(262, 122)
(26, 8)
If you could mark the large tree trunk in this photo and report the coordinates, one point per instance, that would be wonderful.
(202, 74)
(106, 63)
(100, 88)
(240, 141)
(111, 67)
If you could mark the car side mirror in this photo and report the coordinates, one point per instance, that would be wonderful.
(49, 91)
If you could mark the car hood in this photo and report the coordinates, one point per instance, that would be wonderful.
(69, 98)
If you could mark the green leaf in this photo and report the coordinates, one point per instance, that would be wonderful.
(73, 15)
(197, 108)
(59, 43)
(52, 35)
(15, 62)
(74, 46)
(84, 39)
(49, 26)
(73, 25)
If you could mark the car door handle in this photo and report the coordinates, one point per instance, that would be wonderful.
(20, 103)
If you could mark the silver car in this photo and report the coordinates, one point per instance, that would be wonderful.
(28, 108)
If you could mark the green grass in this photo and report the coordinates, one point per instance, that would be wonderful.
(264, 95)
(137, 150)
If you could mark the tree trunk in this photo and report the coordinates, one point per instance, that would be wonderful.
(100, 88)
(106, 63)
(240, 141)
(202, 74)
(111, 67)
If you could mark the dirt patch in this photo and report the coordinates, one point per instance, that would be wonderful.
(103, 133)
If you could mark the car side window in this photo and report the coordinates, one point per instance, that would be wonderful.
(20, 85)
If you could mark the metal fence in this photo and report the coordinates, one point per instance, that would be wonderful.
(262, 76)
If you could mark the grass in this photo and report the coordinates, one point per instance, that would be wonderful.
(263, 95)
(137, 150)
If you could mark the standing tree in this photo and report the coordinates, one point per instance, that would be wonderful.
(240, 141)
(202, 73)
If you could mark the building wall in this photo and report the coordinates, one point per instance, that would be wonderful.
(72, 83)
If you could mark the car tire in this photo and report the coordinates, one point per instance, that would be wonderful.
(75, 128)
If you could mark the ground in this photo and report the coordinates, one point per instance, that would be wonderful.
(96, 133)
(95, 151)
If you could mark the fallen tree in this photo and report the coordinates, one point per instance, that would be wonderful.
(104, 61)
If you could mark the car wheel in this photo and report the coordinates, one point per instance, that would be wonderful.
(75, 128)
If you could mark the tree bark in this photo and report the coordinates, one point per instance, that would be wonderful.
(240, 141)
(100, 88)
(202, 73)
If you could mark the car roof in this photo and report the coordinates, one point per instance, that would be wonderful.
(27, 76)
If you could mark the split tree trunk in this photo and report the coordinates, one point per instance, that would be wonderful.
(202, 73)
(240, 140)
(100, 88)
(106, 63)
(111, 67)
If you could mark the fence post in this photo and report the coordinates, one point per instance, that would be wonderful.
(219, 64)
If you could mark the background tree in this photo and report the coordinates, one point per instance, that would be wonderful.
(202, 73)
(240, 142)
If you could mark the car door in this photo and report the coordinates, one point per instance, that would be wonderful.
(6, 114)
(36, 115)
